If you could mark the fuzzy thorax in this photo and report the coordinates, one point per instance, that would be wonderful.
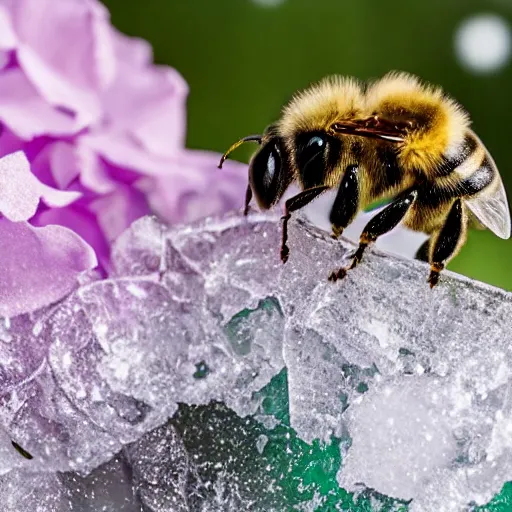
(318, 107)
(437, 123)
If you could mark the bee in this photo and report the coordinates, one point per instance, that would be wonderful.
(396, 139)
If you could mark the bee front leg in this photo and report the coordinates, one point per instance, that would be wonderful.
(248, 197)
(293, 204)
(346, 204)
(383, 222)
(448, 241)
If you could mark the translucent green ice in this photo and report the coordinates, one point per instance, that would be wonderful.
(271, 469)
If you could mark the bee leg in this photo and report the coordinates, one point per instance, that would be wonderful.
(296, 203)
(383, 222)
(248, 197)
(423, 251)
(450, 238)
(346, 204)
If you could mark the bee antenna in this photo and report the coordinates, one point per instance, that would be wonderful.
(249, 138)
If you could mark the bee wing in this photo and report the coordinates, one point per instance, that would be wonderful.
(491, 208)
(372, 128)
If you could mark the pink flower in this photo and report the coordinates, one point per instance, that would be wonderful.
(103, 130)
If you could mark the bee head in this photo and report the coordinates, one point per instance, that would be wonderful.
(270, 172)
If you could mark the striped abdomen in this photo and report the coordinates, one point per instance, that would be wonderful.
(469, 169)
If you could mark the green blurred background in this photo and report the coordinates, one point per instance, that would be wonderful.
(243, 59)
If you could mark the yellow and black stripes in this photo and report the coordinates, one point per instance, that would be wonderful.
(456, 156)
(466, 173)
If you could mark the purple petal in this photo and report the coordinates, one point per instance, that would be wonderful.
(161, 119)
(40, 267)
(131, 50)
(117, 211)
(195, 187)
(20, 190)
(7, 35)
(146, 101)
(26, 113)
(122, 151)
(57, 198)
(69, 79)
(80, 220)
(63, 162)
(19, 194)
(57, 162)
(9, 142)
(150, 104)
(94, 175)
(4, 59)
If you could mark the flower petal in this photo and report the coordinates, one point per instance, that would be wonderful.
(131, 50)
(4, 59)
(20, 190)
(69, 79)
(26, 113)
(161, 122)
(57, 198)
(82, 222)
(94, 175)
(122, 151)
(115, 212)
(19, 193)
(146, 101)
(9, 142)
(41, 266)
(194, 187)
(64, 163)
(57, 161)
(58, 93)
(149, 103)
(7, 36)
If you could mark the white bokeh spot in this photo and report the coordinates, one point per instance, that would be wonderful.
(269, 3)
(483, 43)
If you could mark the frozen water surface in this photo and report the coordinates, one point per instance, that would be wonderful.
(207, 376)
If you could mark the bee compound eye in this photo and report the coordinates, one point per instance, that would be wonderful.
(311, 151)
(266, 174)
(309, 148)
